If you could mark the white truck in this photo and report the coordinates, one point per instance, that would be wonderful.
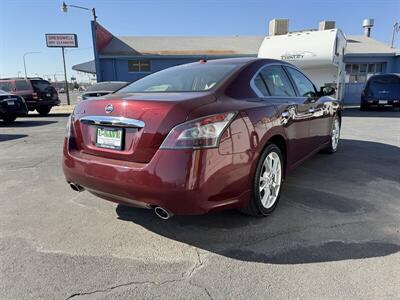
(319, 53)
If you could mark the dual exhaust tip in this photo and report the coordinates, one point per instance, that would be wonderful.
(160, 212)
(76, 187)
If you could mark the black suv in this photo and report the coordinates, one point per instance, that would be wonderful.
(38, 93)
(381, 91)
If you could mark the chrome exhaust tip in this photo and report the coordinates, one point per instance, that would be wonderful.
(76, 187)
(162, 213)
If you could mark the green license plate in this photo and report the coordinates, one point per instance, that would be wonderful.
(110, 138)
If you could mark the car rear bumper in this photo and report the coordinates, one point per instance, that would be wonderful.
(32, 104)
(181, 181)
(381, 103)
(19, 109)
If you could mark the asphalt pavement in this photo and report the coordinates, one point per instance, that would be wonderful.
(73, 97)
(335, 233)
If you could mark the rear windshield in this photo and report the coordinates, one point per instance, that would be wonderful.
(185, 78)
(389, 85)
(106, 86)
(6, 86)
(40, 85)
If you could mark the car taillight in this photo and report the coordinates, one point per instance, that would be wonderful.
(199, 133)
(69, 131)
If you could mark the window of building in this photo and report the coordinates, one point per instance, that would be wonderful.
(139, 65)
(379, 68)
(371, 68)
(359, 73)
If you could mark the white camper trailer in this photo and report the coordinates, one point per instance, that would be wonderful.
(319, 53)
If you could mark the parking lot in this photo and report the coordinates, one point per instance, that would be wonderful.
(335, 233)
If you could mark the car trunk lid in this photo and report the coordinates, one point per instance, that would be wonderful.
(144, 120)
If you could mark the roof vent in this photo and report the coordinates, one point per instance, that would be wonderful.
(326, 25)
(278, 26)
(367, 25)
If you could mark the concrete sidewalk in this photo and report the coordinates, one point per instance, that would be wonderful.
(58, 110)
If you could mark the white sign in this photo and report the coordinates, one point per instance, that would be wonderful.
(61, 40)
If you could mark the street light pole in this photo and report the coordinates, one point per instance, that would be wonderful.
(23, 57)
(65, 6)
(396, 28)
(65, 76)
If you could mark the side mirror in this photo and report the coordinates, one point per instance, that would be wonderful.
(327, 91)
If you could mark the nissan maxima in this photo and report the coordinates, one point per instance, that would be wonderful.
(201, 137)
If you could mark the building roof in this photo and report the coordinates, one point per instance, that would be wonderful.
(86, 67)
(184, 45)
(363, 45)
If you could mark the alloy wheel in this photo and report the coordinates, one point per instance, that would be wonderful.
(270, 180)
(335, 133)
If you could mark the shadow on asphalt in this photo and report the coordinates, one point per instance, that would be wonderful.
(372, 113)
(27, 123)
(268, 240)
(50, 115)
(10, 137)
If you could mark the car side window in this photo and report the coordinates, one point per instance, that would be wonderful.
(277, 82)
(21, 85)
(259, 83)
(303, 84)
(6, 86)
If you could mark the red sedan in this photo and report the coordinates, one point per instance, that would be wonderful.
(201, 137)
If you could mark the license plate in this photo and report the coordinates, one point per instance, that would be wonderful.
(110, 138)
(383, 102)
(48, 95)
(10, 102)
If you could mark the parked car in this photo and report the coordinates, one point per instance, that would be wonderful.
(381, 90)
(11, 107)
(201, 137)
(38, 93)
(101, 89)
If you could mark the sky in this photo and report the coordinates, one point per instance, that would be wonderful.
(23, 24)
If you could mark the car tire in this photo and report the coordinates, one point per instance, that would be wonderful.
(261, 203)
(9, 119)
(43, 111)
(334, 136)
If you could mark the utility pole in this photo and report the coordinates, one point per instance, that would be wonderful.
(396, 28)
(23, 58)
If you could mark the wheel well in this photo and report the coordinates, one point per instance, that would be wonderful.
(281, 143)
(339, 113)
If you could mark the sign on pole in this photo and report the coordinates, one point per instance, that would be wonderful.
(69, 40)
(59, 40)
